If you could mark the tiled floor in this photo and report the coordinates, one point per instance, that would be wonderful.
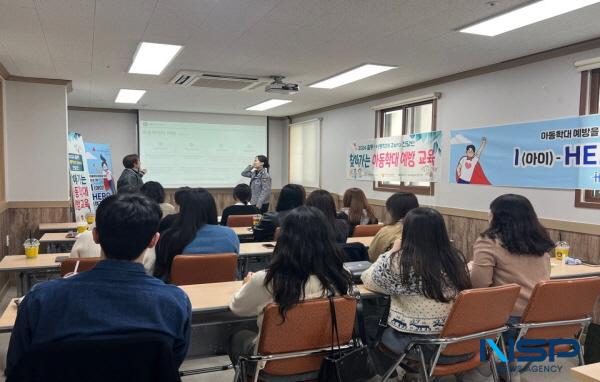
(227, 376)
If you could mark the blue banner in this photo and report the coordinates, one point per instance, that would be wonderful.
(99, 163)
(560, 153)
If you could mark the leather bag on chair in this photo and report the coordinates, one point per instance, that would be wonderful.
(353, 366)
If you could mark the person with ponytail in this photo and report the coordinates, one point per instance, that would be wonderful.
(260, 182)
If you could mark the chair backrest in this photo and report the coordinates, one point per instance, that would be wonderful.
(478, 310)
(366, 230)
(85, 264)
(307, 326)
(202, 269)
(240, 221)
(136, 357)
(560, 300)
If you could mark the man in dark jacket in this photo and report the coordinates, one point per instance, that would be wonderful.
(131, 178)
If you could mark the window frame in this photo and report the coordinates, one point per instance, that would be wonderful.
(591, 78)
(379, 126)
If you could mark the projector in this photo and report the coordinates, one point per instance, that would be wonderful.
(278, 86)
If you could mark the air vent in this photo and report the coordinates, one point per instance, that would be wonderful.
(218, 81)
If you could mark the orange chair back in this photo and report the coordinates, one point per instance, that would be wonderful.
(307, 326)
(240, 221)
(366, 230)
(85, 264)
(202, 269)
(478, 310)
(560, 300)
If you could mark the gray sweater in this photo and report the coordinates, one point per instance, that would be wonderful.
(130, 180)
(260, 184)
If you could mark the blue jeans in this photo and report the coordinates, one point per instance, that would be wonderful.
(511, 333)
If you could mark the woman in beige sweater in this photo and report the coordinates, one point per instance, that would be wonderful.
(514, 249)
(397, 206)
(306, 264)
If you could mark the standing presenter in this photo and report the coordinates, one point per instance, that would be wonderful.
(260, 182)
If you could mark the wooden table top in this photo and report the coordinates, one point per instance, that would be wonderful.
(57, 227)
(56, 237)
(242, 231)
(22, 263)
(256, 249)
(587, 373)
(559, 270)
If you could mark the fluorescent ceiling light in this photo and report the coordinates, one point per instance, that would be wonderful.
(268, 104)
(151, 58)
(529, 14)
(129, 95)
(356, 74)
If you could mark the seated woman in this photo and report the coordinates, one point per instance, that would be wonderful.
(323, 200)
(156, 192)
(306, 264)
(514, 249)
(397, 206)
(423, 273)
(356, 209)
(290, 197)
(242, 194)
(194, 231)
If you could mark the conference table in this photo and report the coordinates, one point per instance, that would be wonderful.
(57, 227)
(587, 373)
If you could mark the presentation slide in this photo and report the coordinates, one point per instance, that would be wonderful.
(195, 154)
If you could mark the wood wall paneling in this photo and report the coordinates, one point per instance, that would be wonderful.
(26, 220)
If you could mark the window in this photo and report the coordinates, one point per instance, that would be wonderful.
(589, 102)
(402, 120)
(305, 153)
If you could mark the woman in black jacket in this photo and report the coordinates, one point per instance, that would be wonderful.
(290, 197)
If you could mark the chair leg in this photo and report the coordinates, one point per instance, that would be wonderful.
(423, 365)
(391, 370)
(580, 357)
(507, 367)
(492, 362)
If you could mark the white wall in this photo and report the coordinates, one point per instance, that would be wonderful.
(544, 90)
(278, 152)
(119, 130)
(36, 136)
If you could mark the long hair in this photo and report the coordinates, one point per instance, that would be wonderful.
(264, 160)
(516, 225)
(197, 208)
(399, 204)
(290, 197)
(427, 261)
(322, 200)
(356, 201)
(306, 246)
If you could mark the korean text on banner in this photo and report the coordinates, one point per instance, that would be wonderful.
(81, 192)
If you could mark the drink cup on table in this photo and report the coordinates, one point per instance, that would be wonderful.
(82, 226)
(32, 248)
(561, 251)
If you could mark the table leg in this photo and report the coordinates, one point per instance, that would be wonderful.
(21, 284)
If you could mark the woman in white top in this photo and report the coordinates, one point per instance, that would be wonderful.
(306, 264)
(156, 192)
(422, 276)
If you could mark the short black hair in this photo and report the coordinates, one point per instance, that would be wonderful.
(242, 192)
(290, 197)
(154, 191)
(472, 147)
(130, 160)
(264, 160)
(126, 224)
(400, 203)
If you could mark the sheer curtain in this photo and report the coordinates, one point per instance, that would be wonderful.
(305, 153)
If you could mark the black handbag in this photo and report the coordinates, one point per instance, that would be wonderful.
(351, 366)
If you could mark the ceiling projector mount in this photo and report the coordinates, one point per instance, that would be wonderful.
(278, 86)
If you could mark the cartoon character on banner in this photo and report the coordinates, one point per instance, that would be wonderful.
(109, 181)
(469, 170)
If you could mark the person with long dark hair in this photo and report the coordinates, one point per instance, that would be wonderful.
(422, 273)
(323, 200)
(168, 220)
(356, 209)
(260, 182)
(306, 264)
(397, 206)
(513, 249)
(290, 197)
(194, 231)
(242, 194)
